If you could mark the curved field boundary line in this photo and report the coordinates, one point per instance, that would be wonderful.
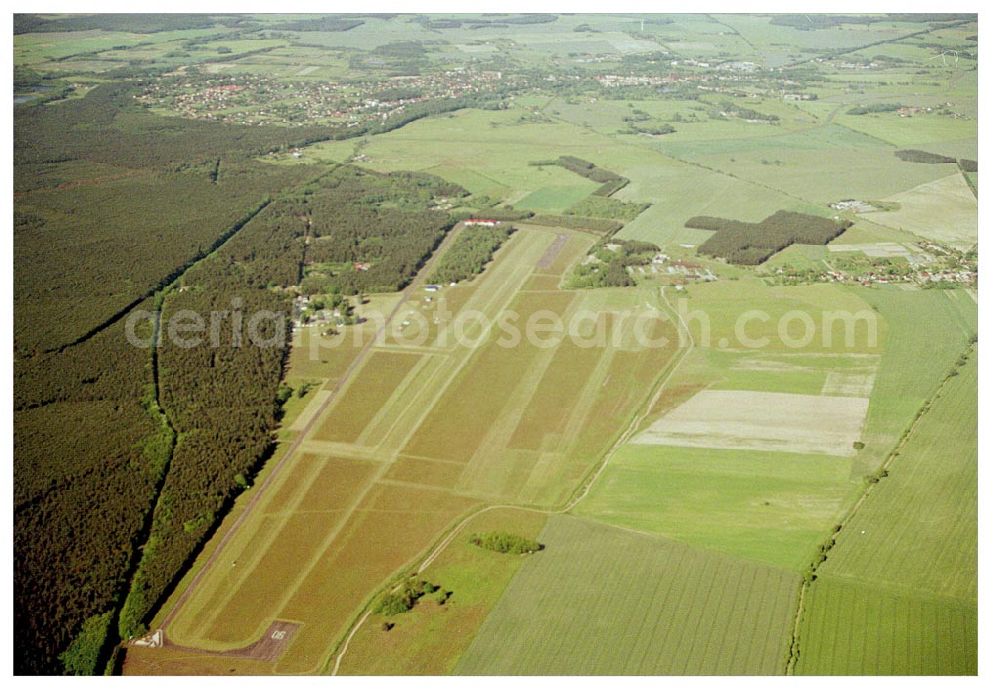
(575, 498)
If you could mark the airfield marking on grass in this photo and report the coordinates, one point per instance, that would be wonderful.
(303, 441)
(575, 498)
(307, 428)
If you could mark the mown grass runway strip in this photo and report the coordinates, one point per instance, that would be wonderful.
(368, 491)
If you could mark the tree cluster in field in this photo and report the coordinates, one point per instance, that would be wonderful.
(752, 243)
(640, 122)
(747, 114)
(503, 542)
(874, 108)
(504, 213)
(608, 264)
(403, 598)
(655, 128)
(469, 253)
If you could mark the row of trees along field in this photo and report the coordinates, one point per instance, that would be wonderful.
(609, 180)
(125, 456)
(752, 243)
(922, 157)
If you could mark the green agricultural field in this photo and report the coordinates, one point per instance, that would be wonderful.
(555, 198)
(854, 165)
(487, 152)
(583, 606)
(917, 355)
(898, 592)
(944, 210)
(862, 628)
(771, 507)
(917, 528)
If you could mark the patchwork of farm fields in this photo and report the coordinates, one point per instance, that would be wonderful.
(741, 457)
(415, 436)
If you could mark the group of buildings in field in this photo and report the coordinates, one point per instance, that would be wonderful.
(248, 99)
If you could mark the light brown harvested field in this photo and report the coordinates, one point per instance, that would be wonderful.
(545, 417)
(331, 489)
(881, 249)
(456, 426)
(622, 391)
(170, 661)
(254, 601)
(315, 357)
(366, 395)
(573, 250)
(307, 466)
(425, 471)
(393, 527)
(762, 421)
(422, 330)
(552, 252)
(278, 552)
(541, 283)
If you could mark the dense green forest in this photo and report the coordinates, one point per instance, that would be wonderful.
(469, 254)
(98, 192)
(120, 448)
(752, 243)
(381, 220)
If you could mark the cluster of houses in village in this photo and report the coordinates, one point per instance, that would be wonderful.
(681, 271)
(734, 78)
(924, 263)
(248, 99)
